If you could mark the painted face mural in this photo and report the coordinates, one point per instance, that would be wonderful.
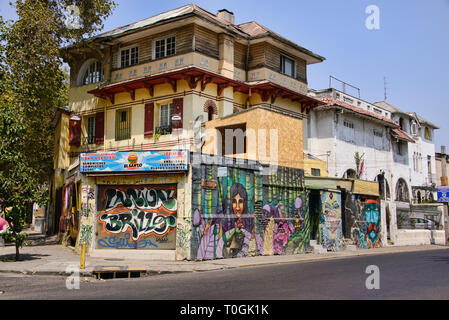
(331, 224)
(364, 216)
(372, 217)
(137, 217)
(238, 215)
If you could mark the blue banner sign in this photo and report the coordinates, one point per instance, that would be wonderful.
(134, 161)
(443, 194)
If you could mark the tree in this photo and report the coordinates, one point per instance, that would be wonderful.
(33, 84)
(359, 164)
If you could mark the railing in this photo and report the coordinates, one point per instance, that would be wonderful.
(162, 130)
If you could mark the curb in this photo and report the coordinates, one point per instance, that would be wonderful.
(92, 271)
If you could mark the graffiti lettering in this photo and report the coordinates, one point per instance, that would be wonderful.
(113, 242)
(140, 198)
(140, 223)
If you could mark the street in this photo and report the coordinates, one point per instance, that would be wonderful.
(410, 275)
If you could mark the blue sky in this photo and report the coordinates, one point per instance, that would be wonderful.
(411, 48)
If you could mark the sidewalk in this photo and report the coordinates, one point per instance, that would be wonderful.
(45, 257)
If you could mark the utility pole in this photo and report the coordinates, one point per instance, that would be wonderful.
(444, 182)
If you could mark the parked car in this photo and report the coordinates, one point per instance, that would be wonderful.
(423, 223)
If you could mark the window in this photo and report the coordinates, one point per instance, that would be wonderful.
(165, 113)
(348, 133)
(414, 128)
(94, 73)
(90, 129)
(233, 139)
(377, 139)
(287, 66)
(164, 47)
(123, 124)
(316, 172)
(427, 134)
(129, 57)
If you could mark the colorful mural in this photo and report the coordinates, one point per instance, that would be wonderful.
(238, 212)
(330, 221)
(363, 216)
(137, 217)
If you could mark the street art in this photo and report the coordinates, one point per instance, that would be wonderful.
(242, 213)
(120, 243)
(137, 217)
(331, 222)
(86, 234)
(364, 217)
(139, 222)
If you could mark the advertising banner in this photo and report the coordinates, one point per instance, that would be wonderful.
(135, 161)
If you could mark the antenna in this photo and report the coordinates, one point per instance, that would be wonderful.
(385, 88)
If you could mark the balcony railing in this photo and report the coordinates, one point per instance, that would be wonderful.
(162, 130)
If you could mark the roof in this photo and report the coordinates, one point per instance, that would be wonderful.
(246, 30)
(422, 120)
(401, 135)
(332, 103)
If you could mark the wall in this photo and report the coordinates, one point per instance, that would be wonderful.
(331, 226)
(420, 237)
(286, 141)
(363, 220)
(237, 212)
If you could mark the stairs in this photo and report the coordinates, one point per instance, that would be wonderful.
(317, 248)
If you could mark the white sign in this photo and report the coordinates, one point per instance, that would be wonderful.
(222, 171)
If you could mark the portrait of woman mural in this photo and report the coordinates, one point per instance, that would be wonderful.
(239, 224)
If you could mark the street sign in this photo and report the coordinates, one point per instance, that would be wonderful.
(443, 194)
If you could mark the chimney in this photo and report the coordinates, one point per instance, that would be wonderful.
(226, 15)
(444, 178)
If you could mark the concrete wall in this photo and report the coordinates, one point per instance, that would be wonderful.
(419, 237)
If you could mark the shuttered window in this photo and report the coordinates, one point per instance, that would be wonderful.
(165, 115)
(123, 124)
(90, 128)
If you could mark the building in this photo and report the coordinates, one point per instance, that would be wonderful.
(391, 146)
(132, 167)
(442, 165)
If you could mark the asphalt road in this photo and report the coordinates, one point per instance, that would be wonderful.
(412, 275)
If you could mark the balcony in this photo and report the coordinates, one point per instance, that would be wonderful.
(163, 130)
(163, 65)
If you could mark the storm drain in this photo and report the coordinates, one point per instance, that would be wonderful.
(119, 273)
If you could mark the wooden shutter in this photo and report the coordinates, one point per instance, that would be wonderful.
(177, 111)
(149, 120)
(99, 128)
(75, 132)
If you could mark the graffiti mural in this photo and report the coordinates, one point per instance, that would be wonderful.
(239, 212)
(142, 217)
(363, 216)
(331, 222)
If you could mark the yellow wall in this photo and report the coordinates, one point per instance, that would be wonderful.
(285, 135)
(315, 164)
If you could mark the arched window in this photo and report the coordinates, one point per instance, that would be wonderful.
(210, 113)
(402, 191)
(401, 123)
(350, 173)
(91, 72)
(384, 188)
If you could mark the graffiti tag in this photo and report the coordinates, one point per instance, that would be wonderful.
(139, 222)
(113, 242)
(140, 198)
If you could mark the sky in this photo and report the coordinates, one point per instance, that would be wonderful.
(410, 48)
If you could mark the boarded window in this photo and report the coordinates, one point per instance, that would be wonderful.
(233, 139)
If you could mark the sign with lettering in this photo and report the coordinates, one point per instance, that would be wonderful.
(443, 194)
(173, 160)
(136, 217)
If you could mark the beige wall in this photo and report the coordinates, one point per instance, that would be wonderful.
(286, 137)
